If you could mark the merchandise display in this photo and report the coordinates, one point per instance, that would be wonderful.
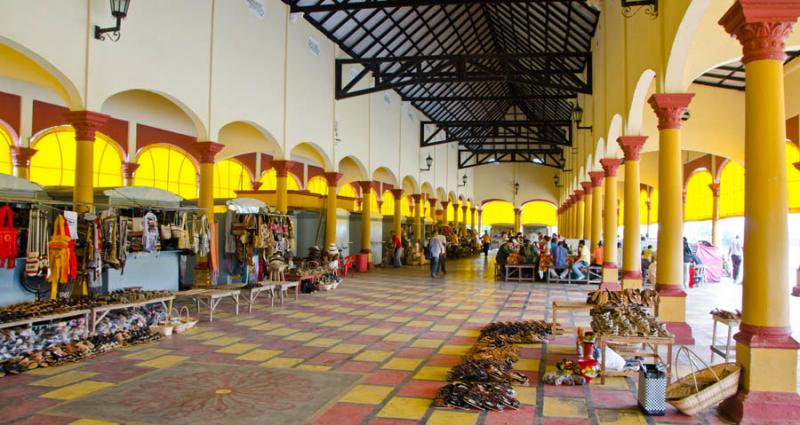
(727, 315)
(643, 297)
(626, 320)
(28, 310)
(483, 379)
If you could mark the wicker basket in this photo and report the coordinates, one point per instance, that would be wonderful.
(183, 323)
(702, 388)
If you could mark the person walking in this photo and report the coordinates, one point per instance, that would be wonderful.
(487, 242)
(435, 249)
(735, 252)
(443, 255)
(397, 244)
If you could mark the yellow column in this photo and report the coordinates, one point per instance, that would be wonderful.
(456, 224)
(206, 152)
(464, 210)
(764, 345)
(432, 208)
(631, 254)
(517, 220)
(480, 220)
(597, 206)
(417, 218)
(281, 190)
(587, 212)
(569, 226)
(715, 214)
(330, 207)
(610, 268)
(669, 274)
(129, 172)
(443, 219)
(86, 124)
(579, 214)
(21, 159)
(366, 217)
(649, 204)
(398, 212)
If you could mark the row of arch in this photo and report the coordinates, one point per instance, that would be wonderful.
(533, 213)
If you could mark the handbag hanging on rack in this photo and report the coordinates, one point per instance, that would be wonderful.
(8, 237)
(59, 256)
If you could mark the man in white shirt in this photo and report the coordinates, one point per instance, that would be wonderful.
(443, 255)
(583, 260)
(435, 248)
(735, 252)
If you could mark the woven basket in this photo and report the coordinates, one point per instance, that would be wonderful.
(183, 323)
(702, 388)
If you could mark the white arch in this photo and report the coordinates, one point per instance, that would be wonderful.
(638, 102)
(261, 140)
(201, 131)
(614, 131)
(681, 45)
(598, 154)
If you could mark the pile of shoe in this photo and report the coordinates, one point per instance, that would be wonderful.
(52, 356)
(130, 295)
(644, 297)
(626, 320)
(32, 309)
(483, 379)
(127, 327)
(727, 315)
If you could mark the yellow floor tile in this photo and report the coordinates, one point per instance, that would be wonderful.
(416, 309)
(301, 315)
(237, 348)
(50, 371)
(376, 331)
(396, 337)
(444, 417)
(405, 408)
(78, 390)
(436, 313)
(400, 363)
(314, 367)
(334, 323)
(561, 349)
(282, 332)
(302, 336)
(259, 355)
(284, 362)
(378, 315)
(251, 322)
(65, 378)
(224, 340)
(469, 332)
(620, 417)
(433, 373)
(398, 319)
(530, 365)
(163, 361)
(454, 350)
(91, 422)
(147, 354)
(444, 328)
(613, 382)
(360, 313)
(526, 395)
(419, 323)
(266, 327)
(316, 319)
(207, 335)
(372, 356)
(323, 342)
(380, 304)
(356, 328)
(477, 320)
(565, 407)
(346, 348)
(367, 394)
(343, 310)
(427, 343)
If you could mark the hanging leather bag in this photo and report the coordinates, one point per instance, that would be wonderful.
(8, 237)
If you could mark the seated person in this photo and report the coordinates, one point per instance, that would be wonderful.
(502, 255)
(647, 257)
(528, 252)
(597, 255)
(560, 260)
(582, 261)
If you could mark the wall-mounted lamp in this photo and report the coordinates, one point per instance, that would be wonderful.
(651, 7)
(577, 116)
(557, 181)
(428, 162)
(119, 10)
(463, 181)
(516, 188)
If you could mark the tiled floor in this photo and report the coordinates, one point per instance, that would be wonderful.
(384, 341)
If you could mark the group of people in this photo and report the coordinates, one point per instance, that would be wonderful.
(548, 252)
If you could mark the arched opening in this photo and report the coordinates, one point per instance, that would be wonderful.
(167, 167)
(269, 181)
(310, 153)
(699, 198)
(538, 214)
(6, 142)
(230, 175)
(793, 176)
(497, 216)
(731, 190)
(387, 207)
(54, 163)
(318, 185)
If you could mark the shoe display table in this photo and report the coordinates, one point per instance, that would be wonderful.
(559, 329)
(85, 313)
(210, 298)
(251, 294)
(99, 312)
(635, 346)
(723, 351)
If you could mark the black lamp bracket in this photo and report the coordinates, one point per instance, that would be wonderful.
(650, 8)
(114, 31)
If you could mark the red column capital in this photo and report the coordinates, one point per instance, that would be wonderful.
(398, 194)
(517, 211)
(282, 167)
(444, 204)
(597, 178)
(333, 178)
(631, 146)
(610, 166)
(587, 187)
(464, 208)
(129, 169)
(578, 195)
(472, 210)
(86, 123)
(762, 27)
(714, 189)
(364, 185)
(256, 184)
(21, 156)
(669, 107)
(207, 151)
(416, 197)
(432, 206)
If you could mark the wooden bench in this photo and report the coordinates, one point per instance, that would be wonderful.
(210, 298)
(593, 275)
(251, 294)
(515, 272)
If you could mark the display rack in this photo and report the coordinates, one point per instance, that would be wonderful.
(86, 313)
(210, 298)
(558, 329)
(645, 346)
(100, 312)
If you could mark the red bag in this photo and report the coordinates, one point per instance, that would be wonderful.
(8, 237)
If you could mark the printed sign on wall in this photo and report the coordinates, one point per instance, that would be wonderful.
(256, 7)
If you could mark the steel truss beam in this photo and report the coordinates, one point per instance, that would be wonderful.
(525, 69)
(537, 131)
(547, 157)
(348, 5)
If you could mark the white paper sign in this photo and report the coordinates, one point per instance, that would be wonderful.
(257, 8)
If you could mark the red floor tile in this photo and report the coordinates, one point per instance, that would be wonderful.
(328, 359)
(444, 360)
(524, 416)
(344, 414)
(44, 420)
(423, 389)
(563, 391)
(359, 367)
(417, 353)
(462, 340)
(387, 377)
(381, 421)
(615, 399)
(565, 421)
